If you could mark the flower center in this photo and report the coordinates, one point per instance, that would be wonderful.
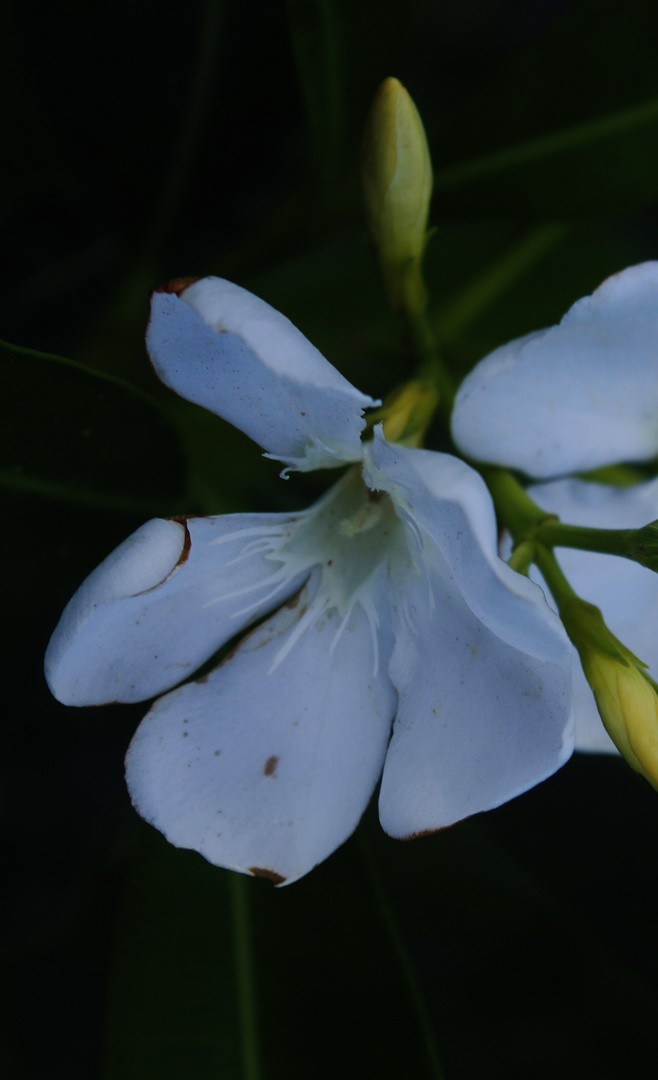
(347, 534)
(341, 545)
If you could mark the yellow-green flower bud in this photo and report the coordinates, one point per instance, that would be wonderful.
(628, 704)
(397, 183)
(407, 412)
(625, 695)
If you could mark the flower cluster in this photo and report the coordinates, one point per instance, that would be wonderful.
(387, 640)
(577, 397)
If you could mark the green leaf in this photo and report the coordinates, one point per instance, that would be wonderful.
(315, 32)
(80, 437)
(342, 53)
(568, 127)
(609, 163)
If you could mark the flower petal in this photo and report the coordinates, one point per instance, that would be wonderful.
(479, 721)
(578, 396)
(223, 348)
(162, 603)
(443, 498)
(266, 767)
(626, 592)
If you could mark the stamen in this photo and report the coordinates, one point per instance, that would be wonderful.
(373, 622)
(310, 616)
(276, 578)
(412, 526)
(273, 531)
(339, 632)
(255, 548)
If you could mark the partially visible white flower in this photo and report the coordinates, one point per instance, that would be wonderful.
(578, 396)
(390, 608)
(626, 592)
(582, 395)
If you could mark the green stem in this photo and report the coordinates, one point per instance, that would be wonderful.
(522, 557)
(431, 368)
(553, 533)
(245, 977)
(551, 571)
(640, 545)
(516, 510)
(527, 522)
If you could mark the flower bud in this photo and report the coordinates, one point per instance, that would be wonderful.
(408, 411)
(396, 173)
(625, 695)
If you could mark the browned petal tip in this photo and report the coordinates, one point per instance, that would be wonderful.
(182, 519)
(271, 875)
(177, 285)
(424, 832)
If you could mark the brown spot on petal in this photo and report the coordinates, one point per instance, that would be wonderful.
(294, 600)
(270, 766)
(177, 285)
(271, 875)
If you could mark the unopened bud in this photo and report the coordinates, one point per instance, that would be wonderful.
(625, 695)
(397, 183)
(407, 412)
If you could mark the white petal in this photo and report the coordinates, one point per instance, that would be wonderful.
(449, 501)
(578, 396)
(264, 767)
(478, 722)
(162, 604)
(223, 348)
(626, 592)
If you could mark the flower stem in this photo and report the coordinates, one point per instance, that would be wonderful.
(522, 557)
(245, 977)
(516, 510)
(529, 524)
(561, 590)
(637, 544)
(431, 368)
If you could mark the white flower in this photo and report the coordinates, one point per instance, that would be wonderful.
(626, 592)
(579, 396)
(391, 609)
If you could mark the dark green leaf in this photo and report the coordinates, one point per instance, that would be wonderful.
(609, 163)
(315, 30)
(568, 127)
(71, 434)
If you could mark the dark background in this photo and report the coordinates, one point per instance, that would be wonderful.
(141, 143)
